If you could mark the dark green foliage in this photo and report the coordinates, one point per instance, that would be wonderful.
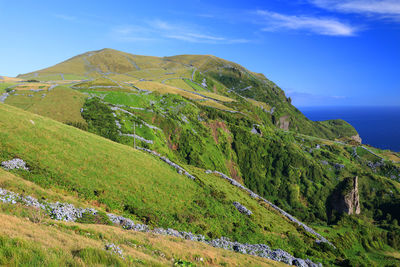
(181, 262)
(78, 125)
(100, 119)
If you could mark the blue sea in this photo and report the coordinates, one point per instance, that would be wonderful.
(377, 126)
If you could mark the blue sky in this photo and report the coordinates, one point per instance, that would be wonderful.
(321, 52)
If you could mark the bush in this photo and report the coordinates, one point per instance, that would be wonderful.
(98, 218)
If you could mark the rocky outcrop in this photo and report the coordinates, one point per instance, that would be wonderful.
(346, 198)
(242, 209)
(352, 199)
(14, 164)
(284, 123)
(114, 249)
(356, 138)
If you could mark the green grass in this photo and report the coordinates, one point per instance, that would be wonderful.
(132, 182)
(4, 86)
(50, 243)
(179, 83)
(123, 98)
(195, 86)
(61, 103)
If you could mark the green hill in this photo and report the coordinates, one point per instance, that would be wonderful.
(120, 179)
(203, 113)
(115, 69)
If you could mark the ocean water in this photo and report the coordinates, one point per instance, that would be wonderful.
(377, 126)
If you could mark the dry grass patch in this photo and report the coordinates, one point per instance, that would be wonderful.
(152, 249)
(259, 104)
(10, 79)
(218, 97)
(214, 104)
(31, 86)
(165, 89)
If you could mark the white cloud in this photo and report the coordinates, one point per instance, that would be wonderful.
(323, 26)
(159, 29)
(381, 8)
(190, 33)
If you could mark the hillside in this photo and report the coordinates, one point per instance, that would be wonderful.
(189, 75)
(209, 116)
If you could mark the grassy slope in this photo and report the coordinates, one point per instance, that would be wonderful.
(124, 180)
(227, 74)
(61, 103)
(27, 237)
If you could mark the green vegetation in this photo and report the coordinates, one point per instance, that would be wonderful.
(61, 103)
(241, 124)
(98, 218)
(4, 86)
(195, 86)
(110, 172)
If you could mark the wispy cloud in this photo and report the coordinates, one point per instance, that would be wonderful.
(65, 17)
(160, 29)
(380, 8)
(323, 26)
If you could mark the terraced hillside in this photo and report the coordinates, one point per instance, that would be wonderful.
(205, 78)
(213, 118)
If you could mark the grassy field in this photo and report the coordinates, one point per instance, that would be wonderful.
(259, 104)
(61, 103)
(165, 89)
(217, 97)
(120, 179)
(4, 86)
(47, 243)
(97, 82)
(27, 237)
(31, 86)
(214, 104)
(195, 86)
(123, 98)
(179, 83)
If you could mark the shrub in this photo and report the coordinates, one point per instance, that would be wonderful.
(98, 218)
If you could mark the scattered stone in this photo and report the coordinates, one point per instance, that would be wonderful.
(16, 163)
(184, 118)
(137, 137)
(338, 166)
(4, 96)
(67, 212)
(320, 239)
(255, 129)
(114, 249)
(204, 83)
(242, 209)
